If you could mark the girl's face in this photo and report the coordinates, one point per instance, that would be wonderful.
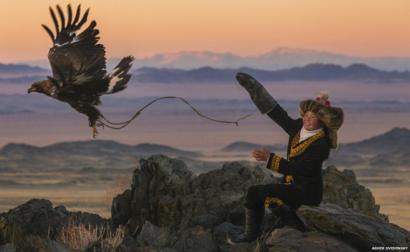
(311, 121)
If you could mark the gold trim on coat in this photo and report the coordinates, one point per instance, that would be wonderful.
(288, 179)
(272, 200)
(298, 148)
(275, 163)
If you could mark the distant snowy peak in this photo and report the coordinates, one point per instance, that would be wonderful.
(292, 51)
(278, 58)
(189, 59)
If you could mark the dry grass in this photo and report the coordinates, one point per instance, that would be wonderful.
(114, 238)
(80, 236)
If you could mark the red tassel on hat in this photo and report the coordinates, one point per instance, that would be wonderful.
(323, 99)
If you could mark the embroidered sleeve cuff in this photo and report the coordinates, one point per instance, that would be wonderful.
(274, 162)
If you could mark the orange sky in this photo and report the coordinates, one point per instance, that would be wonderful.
(143, 28)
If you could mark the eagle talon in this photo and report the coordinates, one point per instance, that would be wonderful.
(95, 132)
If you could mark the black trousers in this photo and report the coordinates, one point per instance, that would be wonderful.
(289, 194)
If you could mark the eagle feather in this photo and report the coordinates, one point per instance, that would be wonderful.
(78, 64)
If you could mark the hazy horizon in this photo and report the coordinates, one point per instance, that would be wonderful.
(42, 59)
(365, 28)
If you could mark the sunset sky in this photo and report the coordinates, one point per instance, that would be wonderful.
(144, 28)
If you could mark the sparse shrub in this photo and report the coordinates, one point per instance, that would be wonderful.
(81, 237)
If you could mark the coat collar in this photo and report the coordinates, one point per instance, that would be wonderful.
(297, 148)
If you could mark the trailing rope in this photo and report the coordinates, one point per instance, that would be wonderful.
(120, 125)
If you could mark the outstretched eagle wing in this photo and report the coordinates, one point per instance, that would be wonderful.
(77, 60)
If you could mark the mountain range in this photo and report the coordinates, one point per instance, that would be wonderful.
(241, 146)
(21, 68)
(311, 72)
(387, 149)
(80, 155)
(386, 155)
(279, 58)
(395, 140)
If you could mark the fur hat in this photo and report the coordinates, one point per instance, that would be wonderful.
(331, 117)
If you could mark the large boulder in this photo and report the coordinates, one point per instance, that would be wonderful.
(37, 223)
(36, 243)
(289, 239)
(219, 195)
(158, 186)
(197, 238)
(37, 217)
(330, 228)
(167, 194)
(358, 229)
(341, 188)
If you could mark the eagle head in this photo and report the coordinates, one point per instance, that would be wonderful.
(44, 86)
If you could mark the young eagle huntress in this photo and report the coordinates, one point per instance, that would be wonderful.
(78, 64)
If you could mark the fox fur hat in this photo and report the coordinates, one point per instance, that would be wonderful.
(331, 117)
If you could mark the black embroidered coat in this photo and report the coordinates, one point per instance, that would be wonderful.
(303, 166)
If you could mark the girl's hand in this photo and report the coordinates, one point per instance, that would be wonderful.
(261, 154)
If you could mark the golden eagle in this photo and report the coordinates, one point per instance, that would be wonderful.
(79, 66)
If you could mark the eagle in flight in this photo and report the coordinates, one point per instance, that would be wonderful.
(78, 65)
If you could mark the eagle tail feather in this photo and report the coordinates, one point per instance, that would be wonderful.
(119, 77)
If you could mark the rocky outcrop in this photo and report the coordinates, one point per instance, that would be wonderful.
(35, 243)
(37, 224)
(168, 207)
(360, 230)
(288, 239)
(36, 217)
(341, 188)
(330, 228)
(165, 193)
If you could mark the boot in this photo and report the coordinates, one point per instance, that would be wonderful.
(259, 95)
(288, 217)
(253, 222)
